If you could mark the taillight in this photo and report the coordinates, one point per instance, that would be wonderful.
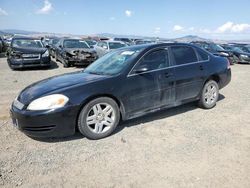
(228, 63)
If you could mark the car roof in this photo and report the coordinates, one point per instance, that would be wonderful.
(25, 38)
(155, 45)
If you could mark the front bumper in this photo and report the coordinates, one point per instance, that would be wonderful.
(79, 61)
(22, 63)
(45, 123)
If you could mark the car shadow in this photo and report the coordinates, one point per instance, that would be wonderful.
(162, 114)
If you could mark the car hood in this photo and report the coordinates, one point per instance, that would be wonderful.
(29, 50)
(74, 51)
(56, 83)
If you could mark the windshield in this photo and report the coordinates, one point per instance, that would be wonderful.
(55, 41)
(113, 62)
(27, 43)
(91, 42)
(75, 44)
(237, 49)
(115, 45)
(217, 47)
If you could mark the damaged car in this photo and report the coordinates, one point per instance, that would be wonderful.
(27, 52)
(104, 47)
(239, 51)
(217, 50)
(52, 45)
(74, 52)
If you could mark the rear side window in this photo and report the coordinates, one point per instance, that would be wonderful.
(184, 55)
(203, 56)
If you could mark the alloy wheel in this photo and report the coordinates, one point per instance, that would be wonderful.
(100, 118)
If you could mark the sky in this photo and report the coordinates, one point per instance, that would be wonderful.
(223, 19)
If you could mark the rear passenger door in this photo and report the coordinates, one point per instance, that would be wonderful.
(189, 73)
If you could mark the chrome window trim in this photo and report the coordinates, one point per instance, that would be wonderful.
(170, 66)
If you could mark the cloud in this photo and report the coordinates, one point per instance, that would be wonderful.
(157, 30)
(128, 13)
(3, 12)
(46, 9)
(178, 28)
(233, 28)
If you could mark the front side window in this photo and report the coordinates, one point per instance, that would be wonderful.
(184, 55)
(154, 60)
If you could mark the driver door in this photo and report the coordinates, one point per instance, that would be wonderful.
(144, 89)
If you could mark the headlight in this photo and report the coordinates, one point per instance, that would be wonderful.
(244, 56)
(45, 54)
(48, 102)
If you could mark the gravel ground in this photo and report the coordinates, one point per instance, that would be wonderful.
(180, 147)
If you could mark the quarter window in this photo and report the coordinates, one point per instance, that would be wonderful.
(184, 55)
(203, 56)
(154, 60)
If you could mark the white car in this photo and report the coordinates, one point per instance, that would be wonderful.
(104, 47)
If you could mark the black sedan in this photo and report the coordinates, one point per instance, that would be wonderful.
(123, 84)
(74, 52)
(27, 52)
(52, 46)
(240, 52)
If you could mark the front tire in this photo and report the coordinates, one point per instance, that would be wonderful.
(99, 118)
(209, 95)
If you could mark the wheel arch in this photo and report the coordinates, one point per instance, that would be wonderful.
(87, 100)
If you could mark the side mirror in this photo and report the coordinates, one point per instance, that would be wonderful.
(60, 46)
(105, 47)
(141, 70)
(47, 46)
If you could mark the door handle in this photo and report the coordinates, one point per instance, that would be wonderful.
(168, 74)
(201, 67)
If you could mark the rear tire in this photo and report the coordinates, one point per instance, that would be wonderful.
(99, 118)
(209, 95)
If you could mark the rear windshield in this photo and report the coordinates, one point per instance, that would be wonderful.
(27, 43)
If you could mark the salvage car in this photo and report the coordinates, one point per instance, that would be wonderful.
(127, 41)
(90, 42)
(237, 50)
(123, 84)
(52, 46)
(104, 47)
(216, 49)
(27, 52)
(74, 52)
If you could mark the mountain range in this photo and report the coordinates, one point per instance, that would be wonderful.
(187, 38)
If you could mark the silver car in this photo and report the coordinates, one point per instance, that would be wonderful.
(104, 47)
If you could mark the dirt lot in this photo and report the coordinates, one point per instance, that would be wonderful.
(180, 147)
